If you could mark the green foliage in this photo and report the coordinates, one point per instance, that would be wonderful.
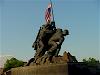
(91, 61)
(12, 63)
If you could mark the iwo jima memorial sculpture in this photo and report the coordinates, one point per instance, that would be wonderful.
(47, 45)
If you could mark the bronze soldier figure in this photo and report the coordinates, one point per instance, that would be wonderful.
(56, 41)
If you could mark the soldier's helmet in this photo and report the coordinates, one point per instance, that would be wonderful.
(65, 32)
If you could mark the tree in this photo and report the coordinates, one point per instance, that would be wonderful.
(91, 61)
(12, 63)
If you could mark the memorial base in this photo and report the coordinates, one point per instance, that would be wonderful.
(52, 69)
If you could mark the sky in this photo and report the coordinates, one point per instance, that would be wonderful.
(20, 21)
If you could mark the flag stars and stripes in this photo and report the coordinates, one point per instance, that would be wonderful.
(48, 14)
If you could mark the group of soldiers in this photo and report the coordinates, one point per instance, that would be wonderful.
(49, 40)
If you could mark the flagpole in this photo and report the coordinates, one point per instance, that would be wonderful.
(52, 10)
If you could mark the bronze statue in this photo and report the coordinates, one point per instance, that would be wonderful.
(49, 39)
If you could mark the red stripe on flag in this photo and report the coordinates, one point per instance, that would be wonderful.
(48, 13)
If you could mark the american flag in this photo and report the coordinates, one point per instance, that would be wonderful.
(48, 13)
